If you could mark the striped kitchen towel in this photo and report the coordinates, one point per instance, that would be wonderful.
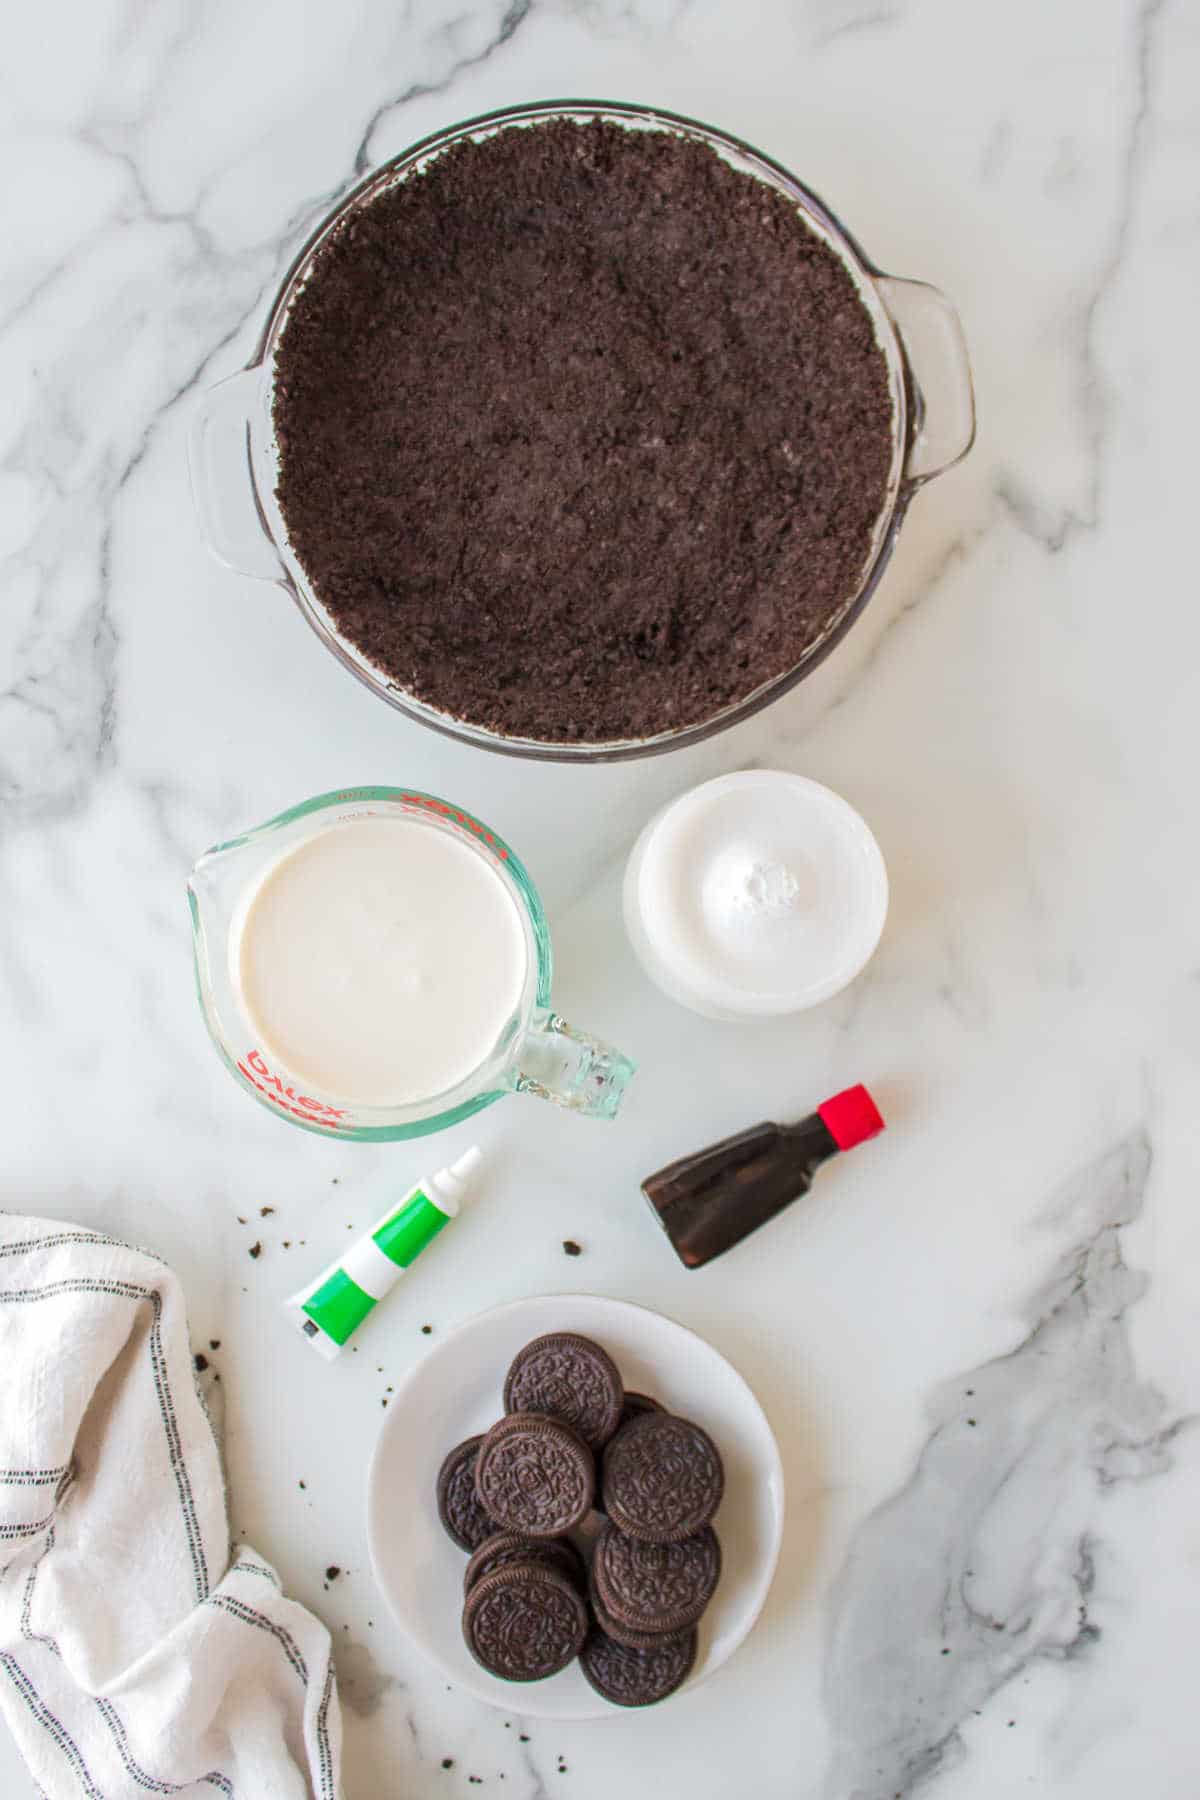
(139, 1654)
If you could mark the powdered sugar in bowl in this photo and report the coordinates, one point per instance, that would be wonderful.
(756, 894)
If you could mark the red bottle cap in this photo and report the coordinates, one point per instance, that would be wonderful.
(851, 1117)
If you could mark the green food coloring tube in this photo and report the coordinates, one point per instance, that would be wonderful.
(329, 1311)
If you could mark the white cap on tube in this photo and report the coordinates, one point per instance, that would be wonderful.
(448, 1188)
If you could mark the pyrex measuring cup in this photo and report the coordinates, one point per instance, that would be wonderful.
(536, 1052)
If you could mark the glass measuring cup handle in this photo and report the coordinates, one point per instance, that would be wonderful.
(558, 1063)
(936, 351)
(222, 471)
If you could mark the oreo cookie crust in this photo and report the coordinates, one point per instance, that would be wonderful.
(570, 1378)
(518, 461)
(631, 1677)
(508, 1547)
(655, 1587)
(663, 1478)
(534, 1476)
(524, 1622)
(459, 1507)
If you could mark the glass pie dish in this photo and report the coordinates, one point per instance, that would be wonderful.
(235, 457)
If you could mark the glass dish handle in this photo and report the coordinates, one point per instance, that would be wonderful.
(558, 1063)
(223, 479)
(943, 397)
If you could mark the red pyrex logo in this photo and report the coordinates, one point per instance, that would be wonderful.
(301, 1106)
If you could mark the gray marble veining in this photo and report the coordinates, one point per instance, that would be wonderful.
(985, 1560)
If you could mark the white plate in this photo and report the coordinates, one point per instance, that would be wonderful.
(456, 1391)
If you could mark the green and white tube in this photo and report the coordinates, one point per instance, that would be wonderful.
(330, 1310)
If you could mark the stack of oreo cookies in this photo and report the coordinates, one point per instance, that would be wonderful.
(574, 1444)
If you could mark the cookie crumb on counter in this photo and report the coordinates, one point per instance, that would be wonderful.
(214, 1343)
(571, 1248)
(256, 1250)
(201, 1362)
(264, 1212)
(332, 1572)
(426, 1329)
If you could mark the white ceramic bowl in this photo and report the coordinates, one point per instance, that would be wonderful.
(708, 941)
(456, 1391)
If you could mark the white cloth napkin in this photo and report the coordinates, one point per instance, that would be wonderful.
(139, 1654)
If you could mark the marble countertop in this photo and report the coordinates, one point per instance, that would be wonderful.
(976, 1340)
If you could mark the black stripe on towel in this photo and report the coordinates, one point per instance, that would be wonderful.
(32, 1477)
(249, 1616)
(133, 1768)
(26, 1246)
(239, 1610)
(55, 1727)
(54, 1239)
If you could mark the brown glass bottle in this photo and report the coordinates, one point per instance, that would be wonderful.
(711, 1200)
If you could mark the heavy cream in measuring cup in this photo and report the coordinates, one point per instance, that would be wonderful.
(379, 960)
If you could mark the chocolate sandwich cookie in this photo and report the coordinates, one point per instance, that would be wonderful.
(630, 1677)
(624, 1634)
(524, 1622)
(459, 1507)
(569, 1378)
(663, 1478)
(655, 1587)
(534, 1476)
(637, 1404)
(508, 1547)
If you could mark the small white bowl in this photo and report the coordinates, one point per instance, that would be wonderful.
(757, 894)
(456, 1391)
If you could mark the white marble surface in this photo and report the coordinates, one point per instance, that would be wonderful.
(977, 1341)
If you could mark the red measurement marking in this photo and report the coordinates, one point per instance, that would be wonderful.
(460, 818)
(304, 1107)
